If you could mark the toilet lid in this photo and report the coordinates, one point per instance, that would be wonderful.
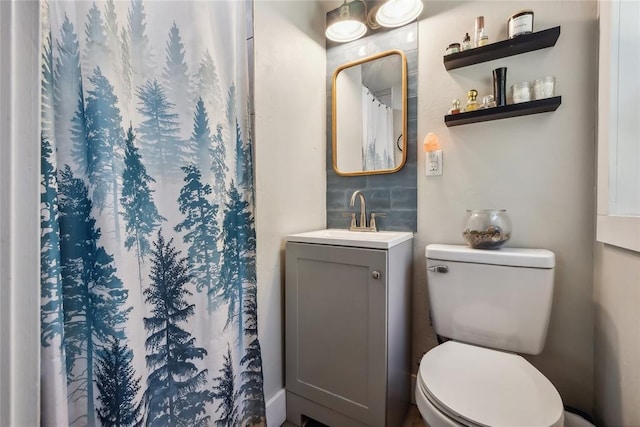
(479, 386)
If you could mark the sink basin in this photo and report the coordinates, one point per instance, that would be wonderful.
(357, 239)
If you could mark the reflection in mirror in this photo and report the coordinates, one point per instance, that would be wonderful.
(369, 99)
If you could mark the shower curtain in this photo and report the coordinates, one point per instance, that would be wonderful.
(148, 272)
(378, 150)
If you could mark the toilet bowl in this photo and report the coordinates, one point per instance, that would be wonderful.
(466, 385)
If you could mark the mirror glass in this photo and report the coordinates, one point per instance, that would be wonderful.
(369, 126)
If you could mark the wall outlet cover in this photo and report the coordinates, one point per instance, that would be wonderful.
(434, 163)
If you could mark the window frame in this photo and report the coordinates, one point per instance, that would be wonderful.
(618, 230)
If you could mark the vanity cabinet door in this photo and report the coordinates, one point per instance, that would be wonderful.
(336, 344)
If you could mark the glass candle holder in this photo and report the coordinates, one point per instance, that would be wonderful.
(521, 92)
(544, 87)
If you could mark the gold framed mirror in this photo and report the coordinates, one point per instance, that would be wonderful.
(369, 115)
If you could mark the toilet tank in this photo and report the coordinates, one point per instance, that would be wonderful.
(499, 299)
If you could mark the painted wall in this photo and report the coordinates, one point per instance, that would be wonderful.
(350, 103)
(290, 159)
(539, 167)
(617, 336)
(19, 214)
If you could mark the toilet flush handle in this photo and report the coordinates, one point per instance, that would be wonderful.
(439, 268)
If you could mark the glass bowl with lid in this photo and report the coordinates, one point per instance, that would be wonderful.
(487, 228)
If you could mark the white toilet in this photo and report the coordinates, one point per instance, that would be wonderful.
(491, 304)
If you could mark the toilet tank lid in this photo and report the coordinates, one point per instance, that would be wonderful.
(516, 257)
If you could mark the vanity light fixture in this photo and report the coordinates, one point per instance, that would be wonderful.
(351, 20)
(346, 23)
(396, 13)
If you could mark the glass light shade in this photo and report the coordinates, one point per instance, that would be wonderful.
(346, 31)
(396, 13)
(347, 22)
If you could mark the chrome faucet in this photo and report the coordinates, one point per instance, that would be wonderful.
(363, 208)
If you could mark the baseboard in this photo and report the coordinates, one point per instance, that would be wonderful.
(412, 393)
(276, 409)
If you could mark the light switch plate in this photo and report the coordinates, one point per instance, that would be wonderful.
(434, 163)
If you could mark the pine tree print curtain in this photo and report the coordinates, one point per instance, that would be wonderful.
(148, 272)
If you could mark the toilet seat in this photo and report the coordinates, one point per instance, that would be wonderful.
(476, 386)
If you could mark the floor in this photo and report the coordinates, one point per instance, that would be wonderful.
(412, 419)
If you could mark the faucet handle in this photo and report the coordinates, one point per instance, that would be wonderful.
(374, 215)
(353, 219)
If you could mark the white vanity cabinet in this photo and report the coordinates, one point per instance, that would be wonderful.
(347, 317)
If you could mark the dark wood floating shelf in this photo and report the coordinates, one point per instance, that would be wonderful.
(511, 110)
(502, 49)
